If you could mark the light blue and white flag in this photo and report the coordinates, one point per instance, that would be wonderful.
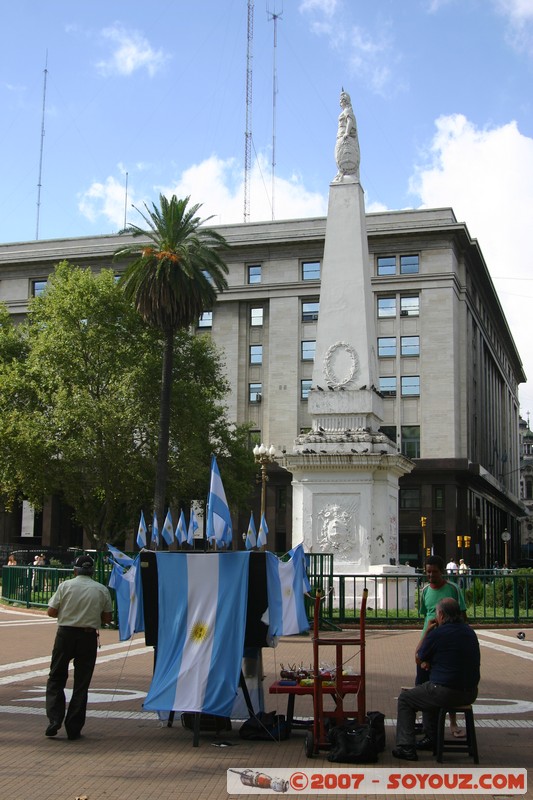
(193, 527)
(218, 517)
(141, 533)
(181, 529)
(202, 619)
(128, 587)
(155, 530)
(263, 532)
(286, 584)
(251, 536)
(119, 557)
(168, 528)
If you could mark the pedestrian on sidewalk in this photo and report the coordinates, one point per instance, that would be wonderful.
(81, 606)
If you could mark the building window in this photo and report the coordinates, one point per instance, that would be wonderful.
(438, 497)
(256, 317)
(411, 441)
(410, 306)
(386, 306)
(305, 388)
(386, 265)
(410, 345)
(206, 320)
(308, 350)
(408, 265)
(38, 287)
(410, 385)
(310, 270)
(387, 386)
(255, 392)
(256, 354)
(310, 310)
(410, 498)
(254, 437)
(389, 431)
(254, 273)
(386, 346)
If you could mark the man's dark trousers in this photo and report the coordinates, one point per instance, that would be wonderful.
(429, 698)
(78, 645)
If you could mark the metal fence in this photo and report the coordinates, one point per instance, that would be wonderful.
(491, 597)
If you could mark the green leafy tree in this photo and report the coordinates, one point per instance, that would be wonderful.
(77, 416)
(172, 277)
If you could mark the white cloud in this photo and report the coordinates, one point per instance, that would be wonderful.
(219, 186)
(369, 56)
(106, 200)
(485, 176)
(131, 52)
(327, 7)
(519, 15)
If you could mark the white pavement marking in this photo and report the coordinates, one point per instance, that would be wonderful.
(15, 623)
(507, 650)
(503, 638)
(147, 715)
(32, 662)
(39, 673)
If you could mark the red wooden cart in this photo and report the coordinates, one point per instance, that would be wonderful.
(349, 686)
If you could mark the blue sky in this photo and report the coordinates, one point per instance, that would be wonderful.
(442, 91)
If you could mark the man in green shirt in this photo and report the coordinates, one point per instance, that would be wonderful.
(437, 589)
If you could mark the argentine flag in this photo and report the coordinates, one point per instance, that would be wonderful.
(181, 529)
(141, 533)
(119, 557)
(202, 618)
(128, 588)
(155, 530)
(263, 532)
(168, 528)
(193, 527)
(287, 582)
(251, 536)
(218, 517)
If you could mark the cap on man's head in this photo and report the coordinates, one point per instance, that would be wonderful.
(84, 565)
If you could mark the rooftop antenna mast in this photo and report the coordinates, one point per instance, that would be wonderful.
(248, 133)
(274, 16)
(39, 182)
(126, 203)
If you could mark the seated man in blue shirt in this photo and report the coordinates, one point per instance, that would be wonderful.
(450, 650)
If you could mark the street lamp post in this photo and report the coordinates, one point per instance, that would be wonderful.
(506, 537)
(264, 456)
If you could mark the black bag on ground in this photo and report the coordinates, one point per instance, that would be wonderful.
(265, 726)
(353, 744)
(376, 720)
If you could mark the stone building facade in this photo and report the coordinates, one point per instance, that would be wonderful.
(448, 368)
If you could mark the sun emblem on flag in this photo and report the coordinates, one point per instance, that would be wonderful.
(199, 632)
(288, 591)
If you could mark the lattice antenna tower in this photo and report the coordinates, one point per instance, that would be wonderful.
(274, 16)
(39, 180)
(248, 132)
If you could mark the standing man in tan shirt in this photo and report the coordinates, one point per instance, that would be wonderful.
(81, 606)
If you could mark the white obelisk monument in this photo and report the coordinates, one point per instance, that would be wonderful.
(345, 472)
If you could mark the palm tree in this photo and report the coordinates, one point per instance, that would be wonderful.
(173, 278)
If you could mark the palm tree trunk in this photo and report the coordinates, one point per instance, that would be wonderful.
(164, 428)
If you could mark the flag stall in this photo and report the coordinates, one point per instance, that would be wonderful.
(204, 611)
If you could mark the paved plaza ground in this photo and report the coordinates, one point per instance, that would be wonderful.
(127, 754)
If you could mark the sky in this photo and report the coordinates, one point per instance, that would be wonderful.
(105, 105)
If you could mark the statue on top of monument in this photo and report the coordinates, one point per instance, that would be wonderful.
(347, 146)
